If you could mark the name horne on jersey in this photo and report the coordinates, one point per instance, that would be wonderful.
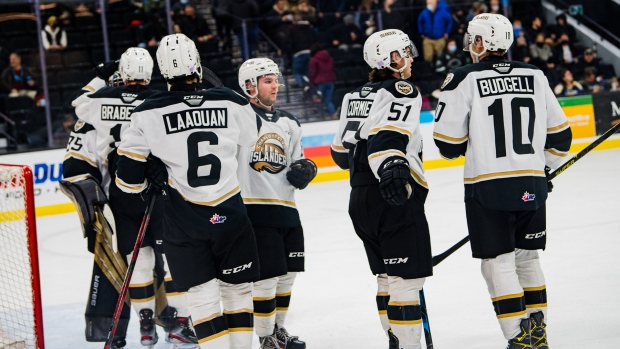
(358, 108)
(269, 154)
(205, 118)
(116, 112)
(495, 86)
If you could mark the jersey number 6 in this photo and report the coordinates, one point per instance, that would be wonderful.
(194, 160)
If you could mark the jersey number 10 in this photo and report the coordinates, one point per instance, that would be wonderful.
(497, 111)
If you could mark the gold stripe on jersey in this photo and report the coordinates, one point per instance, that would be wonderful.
(386, 152)
(212, 337)
(241, 329)
(538, 288)
(450, 139)
(214, 202)
(338, 147)
(76, 178)
(137, 188)
(389, 128)
(558, 127)
(238, 311)
(382, 294)
(262, 298)
(270, 201)
(208, 318)
(402, 304)
(81, 157)
(265, 314)
(90, 88)
(540, 305)
(142, 284)
(132, 155)
(508, 296)
(406, 322)
(287, 294)
(504, 174)
(519, 313)
(418, 178)
(382, 312)
(556, 152)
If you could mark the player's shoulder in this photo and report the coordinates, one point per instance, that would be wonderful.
(399, 88)
(82, 127)
(499, 67)
(191, 98)
(287, 116)
(105, 92)
(224, 94)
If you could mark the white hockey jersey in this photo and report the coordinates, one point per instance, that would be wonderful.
(507, 122)
(379, 121)
(81, 156)
(196, 134)
(267, 194)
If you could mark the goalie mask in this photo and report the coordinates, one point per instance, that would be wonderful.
(379, 47)
(493, 30)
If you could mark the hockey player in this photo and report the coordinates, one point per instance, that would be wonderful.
(379, 140)
(269, 172)
(505, 119)
(108, 112)
(208, 238)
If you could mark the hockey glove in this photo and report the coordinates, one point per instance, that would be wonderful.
(105, 70)
(302, 172)
(155, 172)
(549, 184)
(394, 182)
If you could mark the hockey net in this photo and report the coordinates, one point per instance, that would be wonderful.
(21, 322)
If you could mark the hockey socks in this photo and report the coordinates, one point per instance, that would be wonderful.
(238, 308)
(403, 310)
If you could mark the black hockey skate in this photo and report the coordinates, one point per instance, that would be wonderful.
(393, 340)
(290, 342)
(538, 331)
(181, 332)
(523, 339)
(118, 344)
(271, 342)
(148, 332)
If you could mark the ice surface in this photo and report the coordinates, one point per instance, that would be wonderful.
(333, 303)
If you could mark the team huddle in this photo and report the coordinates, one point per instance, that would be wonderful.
(225, 241)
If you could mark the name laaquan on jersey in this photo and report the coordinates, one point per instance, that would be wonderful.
(358, 108)
(116, 112)
(515, 84)
(196, 119)
(269, 154)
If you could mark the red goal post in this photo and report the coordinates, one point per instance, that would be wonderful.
(21, 320)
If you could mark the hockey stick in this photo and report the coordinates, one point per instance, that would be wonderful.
(440, 257)
(130, 267)
(211, 78)
(425, 324)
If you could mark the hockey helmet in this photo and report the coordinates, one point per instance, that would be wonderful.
(495, 31)
(115, 80)
(379, 46)
(254, 68)
(178, 57)
(136, 64)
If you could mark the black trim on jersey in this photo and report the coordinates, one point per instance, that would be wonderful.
(507, 193)
(84, 128)
(276, 216)
(74, 167)
(284, 114)
(341, 159)
(141, 91)
(487, 63)
(387, 140)
(560, 140)
(164, 99)
(130, 171)
(450, 150)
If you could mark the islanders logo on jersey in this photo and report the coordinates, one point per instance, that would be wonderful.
(269, 154)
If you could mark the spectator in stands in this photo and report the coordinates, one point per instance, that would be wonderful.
(304, 8)
(194, 26)
(476, 9)
(568, 86)
(277, 22)
(152, 32)
(17, 80)
(329, 12)
(243, 10)
(451, 58)
(366, 17)
(81, 10)
(301, 36)
(391, 17)
(62, 131)
(53, 37)
(434, 25)
(520, 50)
(586, 60)
(556, 31)
(322, 74)
(564, 51)
(347, 34)
(614, 85)
(541, 53)
(534, 29)
(591, 82)
(495, 7)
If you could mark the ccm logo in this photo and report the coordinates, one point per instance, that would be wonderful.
(536, 236)
(296, 254)
(237, 269)
(395, 260)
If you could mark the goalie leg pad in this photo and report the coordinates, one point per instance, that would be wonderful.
(506, 292)
(238, 308)
(403, 310)
(532, 280)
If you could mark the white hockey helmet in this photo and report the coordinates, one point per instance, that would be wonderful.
(495, 31)
(379, 46)
(136, 64)
(177, 57)
(254, 68)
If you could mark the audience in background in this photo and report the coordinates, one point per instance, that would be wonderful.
(17, 80)
(568, 86)
(451, 58)
(301, 36)
(322, 74)
(53, 37)
(434, 26)
(347, 34)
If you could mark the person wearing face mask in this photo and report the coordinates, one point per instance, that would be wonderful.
(494, 7)
(564, 51)
(541, 52)
(451, 58)
(434, 25)
(53, 37)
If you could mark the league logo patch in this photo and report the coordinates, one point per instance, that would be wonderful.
(528, 197)
(217, 219)
(447, 80)
(404, 87)
(78, 125)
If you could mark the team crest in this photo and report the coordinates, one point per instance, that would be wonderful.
(78, 125)
(217, 219)
(268, 154)
(528, 197)
(404, 87)
(447, 80)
